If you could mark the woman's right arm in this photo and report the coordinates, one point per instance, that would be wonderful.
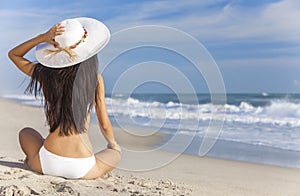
(102, 115)
(17, 54)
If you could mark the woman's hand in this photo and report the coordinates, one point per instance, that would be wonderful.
(17, 54)
(56, 30)
(114, 146)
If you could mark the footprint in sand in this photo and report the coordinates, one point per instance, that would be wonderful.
(63, 187)
(17, 190)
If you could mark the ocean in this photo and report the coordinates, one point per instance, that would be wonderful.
(258, 128)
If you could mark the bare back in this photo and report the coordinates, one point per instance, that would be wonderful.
(75, 145)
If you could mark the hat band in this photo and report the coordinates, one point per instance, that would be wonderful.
(72, 55)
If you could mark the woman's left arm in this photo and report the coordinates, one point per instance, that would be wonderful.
(17, 54)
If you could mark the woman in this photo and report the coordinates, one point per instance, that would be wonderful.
(66, 75)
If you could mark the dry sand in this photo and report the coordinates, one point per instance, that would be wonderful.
(185, 175)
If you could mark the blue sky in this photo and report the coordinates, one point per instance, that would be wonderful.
(256, 44)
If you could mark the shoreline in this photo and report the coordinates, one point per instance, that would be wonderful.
(244, 152)
(249, 153)
(152, 140)
(185, 174)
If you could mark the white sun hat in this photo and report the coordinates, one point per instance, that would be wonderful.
(82, 39)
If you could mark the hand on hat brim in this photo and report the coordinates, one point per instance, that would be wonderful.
(54, 31)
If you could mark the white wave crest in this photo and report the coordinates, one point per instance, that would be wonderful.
(278, 112)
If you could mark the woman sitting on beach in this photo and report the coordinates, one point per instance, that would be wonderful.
(66, 74)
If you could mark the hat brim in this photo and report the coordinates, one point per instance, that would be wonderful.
(97, 39)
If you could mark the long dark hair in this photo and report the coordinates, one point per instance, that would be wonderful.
(69, 94)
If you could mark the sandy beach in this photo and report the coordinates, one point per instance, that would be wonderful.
(185, 175)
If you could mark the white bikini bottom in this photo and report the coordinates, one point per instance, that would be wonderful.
(66, 167)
